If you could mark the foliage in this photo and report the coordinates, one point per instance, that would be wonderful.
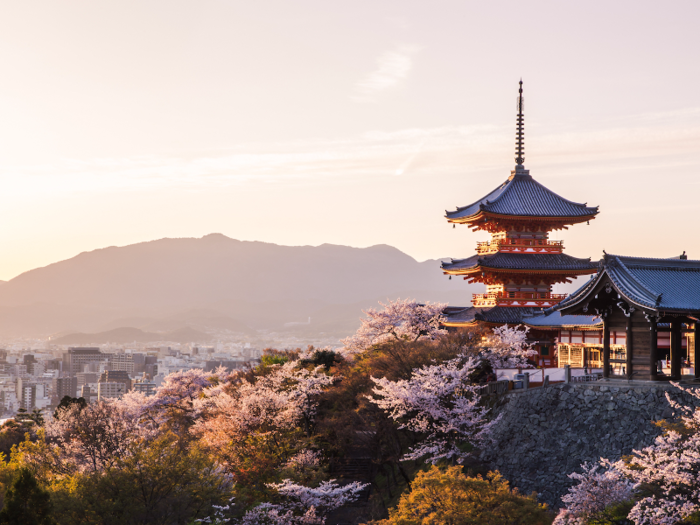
(264, 438)
(600, 487)
(438, 402)
(28, 419)
(507, 347)
(159, 483)
(12, 433)
(67, 401)
(269, 360)
(325, 357)
(400, 320)
(669, 469)
(448, 496)
(257, 425)
(26, 503)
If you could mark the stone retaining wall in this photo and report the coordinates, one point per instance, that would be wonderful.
(546, 433)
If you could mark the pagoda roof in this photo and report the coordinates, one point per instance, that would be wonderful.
(494, 314)
(532, 317)
(522, 196)
(543, 262)
(654, 284)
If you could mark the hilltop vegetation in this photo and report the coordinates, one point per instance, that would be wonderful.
(268, 445)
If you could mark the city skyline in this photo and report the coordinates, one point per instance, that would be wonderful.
(356, 125)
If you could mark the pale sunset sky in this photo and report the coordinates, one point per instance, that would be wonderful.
(346, 122)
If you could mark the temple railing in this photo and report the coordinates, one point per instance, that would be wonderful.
(536, 299)
(519, 246)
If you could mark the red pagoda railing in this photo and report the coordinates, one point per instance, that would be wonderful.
(520, 246)
(536, 299)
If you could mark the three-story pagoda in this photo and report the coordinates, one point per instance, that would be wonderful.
(520, 264)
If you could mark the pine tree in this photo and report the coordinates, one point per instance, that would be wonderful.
(26, 503)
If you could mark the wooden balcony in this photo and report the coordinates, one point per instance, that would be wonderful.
(519, 246)
(534, 299)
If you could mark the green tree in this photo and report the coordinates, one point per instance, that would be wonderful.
(161, 482)
(26, 503)
(29, 419)
(449, 497)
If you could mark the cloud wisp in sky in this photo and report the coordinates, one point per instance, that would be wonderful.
(392, 68)
(639, 141)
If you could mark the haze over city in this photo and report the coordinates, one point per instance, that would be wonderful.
(326, 122)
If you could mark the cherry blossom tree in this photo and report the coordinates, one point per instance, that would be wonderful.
(328, 496)
(401, 320)
(301, 505)
(175, 398)
(507, 347)
(263, 411)
(92, 438)
(671, 466)
(599, 486)
(270, 514)
(437, 401)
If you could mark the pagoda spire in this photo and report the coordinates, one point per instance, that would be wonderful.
(520, 135)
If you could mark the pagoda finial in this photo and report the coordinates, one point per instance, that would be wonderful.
(520, 135)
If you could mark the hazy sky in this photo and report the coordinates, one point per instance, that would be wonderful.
(347, 122)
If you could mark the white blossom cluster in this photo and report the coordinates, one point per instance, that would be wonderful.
(507, 347)
(671, 464)
(401, 320)
(439, 402)
(600, 485)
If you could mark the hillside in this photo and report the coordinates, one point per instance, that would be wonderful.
(217, 283)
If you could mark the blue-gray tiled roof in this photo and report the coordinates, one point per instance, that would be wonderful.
(550, 319)
(521, 195)
(521, 261)
(494, 314)
(657, 284)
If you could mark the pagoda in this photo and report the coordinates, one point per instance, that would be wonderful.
(520, 264)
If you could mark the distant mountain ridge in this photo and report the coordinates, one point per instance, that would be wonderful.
(129, 335)
(161, 286)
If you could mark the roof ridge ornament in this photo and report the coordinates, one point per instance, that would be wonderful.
(520, 134)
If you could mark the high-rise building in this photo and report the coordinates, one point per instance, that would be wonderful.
(122, 362)
(116, 376)
(76, 359)
(88, 394)
(85, 378)
(28, 399)
(65, 386)
(147, 388)
(110, 389)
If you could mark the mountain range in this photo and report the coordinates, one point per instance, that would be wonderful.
(216, 283)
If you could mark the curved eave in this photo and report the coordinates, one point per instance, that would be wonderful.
(577, 327)
(577, 301)
(461, 324)
(478, 217)
(486, 269)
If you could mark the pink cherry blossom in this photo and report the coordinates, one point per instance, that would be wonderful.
(507, 347)
(284, 399)
(400, 320)
(672, 465)
(600, 485)
(440, 402)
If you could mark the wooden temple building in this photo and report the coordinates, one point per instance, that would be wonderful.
(644, 298)
(520, 264)
(634, 318)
